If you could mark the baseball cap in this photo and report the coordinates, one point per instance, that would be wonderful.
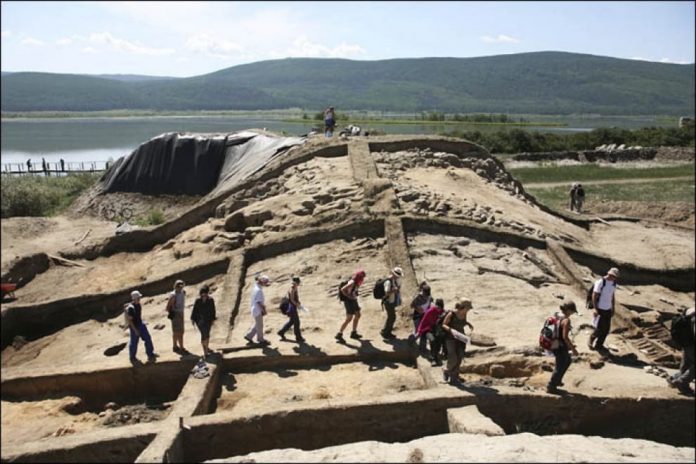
(136, 294)
(614, 272)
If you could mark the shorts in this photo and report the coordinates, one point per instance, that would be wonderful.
(204, 328)
(352, 306)
(178, 322)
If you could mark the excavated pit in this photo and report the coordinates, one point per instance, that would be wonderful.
(446, 212)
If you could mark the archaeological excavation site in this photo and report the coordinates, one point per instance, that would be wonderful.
(249, 203)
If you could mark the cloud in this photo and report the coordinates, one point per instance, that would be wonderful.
(669, 60)
(104, 38)
(64, 41)
(6, 34)
(303, 47)
(500, 38)
(663, 60)
(32, 41)
(89, 50)
(214, 47)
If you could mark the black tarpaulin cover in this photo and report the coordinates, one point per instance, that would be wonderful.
(193, 164)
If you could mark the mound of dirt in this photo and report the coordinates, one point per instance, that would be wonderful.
(677, 212)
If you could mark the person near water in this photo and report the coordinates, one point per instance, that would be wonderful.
(604, 302)
(563, 358)
(62, 164)
(138, 329)
(258, 311)
(175, 312)
(29, 164)
(293, 311)
(350, 292)
(329, 121)
(203, 316)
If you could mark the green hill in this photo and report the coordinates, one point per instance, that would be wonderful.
(541, 83)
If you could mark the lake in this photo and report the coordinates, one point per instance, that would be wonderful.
(101, 139)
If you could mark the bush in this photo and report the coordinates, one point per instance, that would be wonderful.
(154, 217)
(42, 196)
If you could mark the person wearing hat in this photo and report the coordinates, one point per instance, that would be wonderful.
(604, 303)
(138, 329)
(292, 312)
(392, 299)
(563, 359)
(202, 316)
(258, 310)
(453, 324)
(175, 313)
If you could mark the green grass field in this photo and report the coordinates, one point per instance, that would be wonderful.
(590, 172)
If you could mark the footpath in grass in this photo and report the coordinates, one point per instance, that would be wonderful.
(672, 191)
(592, 172)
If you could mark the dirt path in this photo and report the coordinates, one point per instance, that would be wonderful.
(607, 181)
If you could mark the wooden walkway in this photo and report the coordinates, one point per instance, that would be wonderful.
(53, 168)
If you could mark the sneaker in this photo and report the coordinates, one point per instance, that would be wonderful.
(339, 337)
(176, 349)
(387, 335)
(454, 381)
(445, 376)
(552, 389)
(281, 335)
(249, 341)
(300, 340)
(355, 335)
(264, 343)
(151, 359)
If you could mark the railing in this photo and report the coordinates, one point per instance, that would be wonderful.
(54, 168)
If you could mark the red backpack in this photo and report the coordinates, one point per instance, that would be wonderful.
(549, 339)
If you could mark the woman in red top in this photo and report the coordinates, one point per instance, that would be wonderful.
(426, 331)
(350, 292)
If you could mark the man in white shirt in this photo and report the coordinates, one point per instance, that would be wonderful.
(604, 303)
(258, 310)
(392, 287)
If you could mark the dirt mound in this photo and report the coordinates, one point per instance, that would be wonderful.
(677, 212)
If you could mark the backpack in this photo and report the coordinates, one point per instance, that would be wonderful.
(378, 291)
(549, 339)
(284, 304)
(438, 331)
(341, 296)
(680, 330)
(590, 291)
(125, 313)
(580, 193)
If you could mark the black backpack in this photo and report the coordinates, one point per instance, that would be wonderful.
(438, 330)
(590, 291)
(341, 296)
(681, 330)
(378, 291)
(284, 304)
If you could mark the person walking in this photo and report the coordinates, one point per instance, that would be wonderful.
(685, 375)
(350, 292)
(573, 195)
(29, 165)
(604, 302)
(579, 198)
(563, 359)
(44, 166)
(426, 331)
(453, 325)
(138, 329)
(392, 299)
(62, 165)
(175, 312)
(329, 121)
(258, 311)
(420, 304)
(203, 316)
(293, 312)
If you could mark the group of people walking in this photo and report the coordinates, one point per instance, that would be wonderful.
(443, 330)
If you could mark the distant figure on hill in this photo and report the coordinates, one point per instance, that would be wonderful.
(258, 311)
(62, 165)
(44, 165)
(203, 316)
(175, 312)
(292, 312)
(29, 164)
(138, 329)
(563, 359)
(329, 121)
(573, 195)
(348, 293)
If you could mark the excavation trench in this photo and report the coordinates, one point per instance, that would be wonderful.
(666, 421)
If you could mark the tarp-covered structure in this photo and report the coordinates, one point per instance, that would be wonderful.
(194, 164)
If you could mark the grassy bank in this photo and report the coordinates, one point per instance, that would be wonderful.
(421, 122)
(657, 191)
(590, 172)
(42, 196)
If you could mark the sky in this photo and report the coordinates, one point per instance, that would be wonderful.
(183, 39)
